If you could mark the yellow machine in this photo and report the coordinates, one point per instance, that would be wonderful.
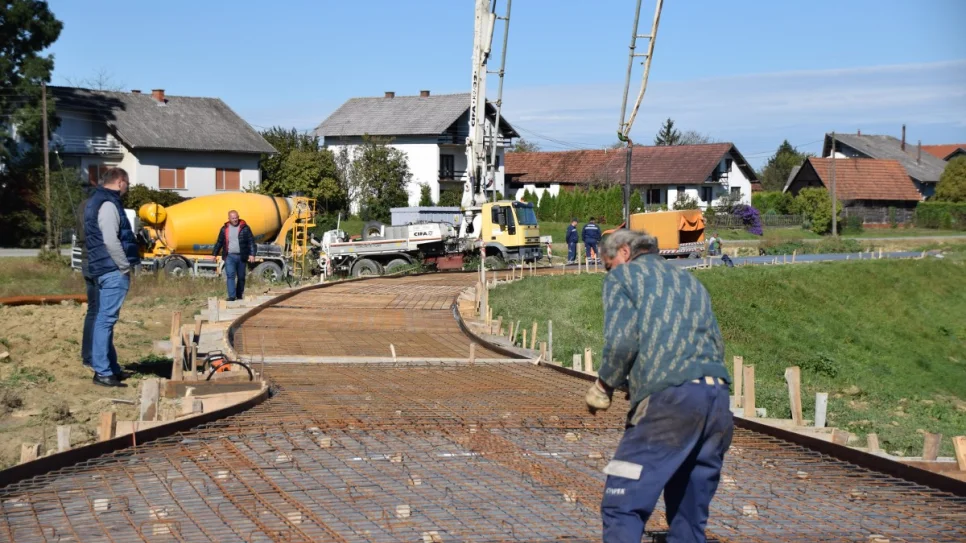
(510, 231)
(679, 233)
(179, 239)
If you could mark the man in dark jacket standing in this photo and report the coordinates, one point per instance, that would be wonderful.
(236, 247)
(113, 257)
(591, 235)
(572, 241)
(661, 340)
(91, 284)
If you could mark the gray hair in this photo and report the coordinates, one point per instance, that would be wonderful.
(637, 242)
(113, 175)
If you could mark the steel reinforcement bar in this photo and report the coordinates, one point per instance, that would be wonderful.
(434, 448)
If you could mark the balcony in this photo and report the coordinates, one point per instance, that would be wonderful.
(88, 146)
(452, 175)
(459, 138)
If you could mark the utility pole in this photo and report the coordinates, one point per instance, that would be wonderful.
(835, 229)
(43, 120)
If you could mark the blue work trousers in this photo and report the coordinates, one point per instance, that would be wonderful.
(87, 339)
(677, 447)
(112, 288)
(572, 252)
(235, 268)
(591, 246)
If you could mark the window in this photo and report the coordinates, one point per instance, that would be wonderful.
(680, 189)
(95, 171)
(707, 194)
(447, 165)
(736, 192)
(227, 179)
(171, 178)
(525, 213)
(653, 196)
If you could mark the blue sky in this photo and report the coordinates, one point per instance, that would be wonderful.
(753, 72)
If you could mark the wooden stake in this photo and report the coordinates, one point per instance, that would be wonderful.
(63, 438)
(516, 332)
(748, 403)
(793, 377)
(196, 338)
(588, 361)
(489, 315)
(550, 340)
(499, 324)
(523, 343)
(193, 356)
(739, 374)
(576, 363)
(177, 366)
(392, 349)
(510, 335)
(543, 351)
(212, 309)
(107, 427)
(472, 353)
(930, 446)
(872, 441)
(959, 445)
(821, 405)
(150, 392)
(29, 451)
(533, 337)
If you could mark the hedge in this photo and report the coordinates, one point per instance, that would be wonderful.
(945, 215)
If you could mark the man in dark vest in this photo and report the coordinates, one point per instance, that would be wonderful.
(89, 281)
(236, 247)
(113, 257)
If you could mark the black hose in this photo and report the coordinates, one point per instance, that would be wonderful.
(251, 376)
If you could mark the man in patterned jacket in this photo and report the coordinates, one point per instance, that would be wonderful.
(663, 343)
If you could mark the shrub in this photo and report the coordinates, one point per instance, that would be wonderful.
(816, 205)
(853, 225)
(685, 201)
(139, 195)
(772, 203)
(749, 217)
(941, 215)
(952, 182)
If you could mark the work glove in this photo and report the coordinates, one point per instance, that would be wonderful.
(598, 397)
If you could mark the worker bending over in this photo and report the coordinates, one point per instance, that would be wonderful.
(661, 339)
(236, 247)
(591, 236)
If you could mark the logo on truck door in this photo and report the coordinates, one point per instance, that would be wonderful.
(422, 233)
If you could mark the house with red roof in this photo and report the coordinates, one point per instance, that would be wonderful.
(946, 151)
(709, 173)
(878, 190)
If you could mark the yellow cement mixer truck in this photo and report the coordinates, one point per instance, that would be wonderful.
(179, 239)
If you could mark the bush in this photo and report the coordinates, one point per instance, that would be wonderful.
(450, 198)
(946, 215)
(749, 217)
(815, 205)
(138, 195)
(853, 225)
(685, 201)
(772, 203)
(826, 245)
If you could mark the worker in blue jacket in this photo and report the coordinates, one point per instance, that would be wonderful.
(572, 241)
(591, 236)
(661, 341)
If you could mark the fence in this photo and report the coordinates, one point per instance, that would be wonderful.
(774, 221)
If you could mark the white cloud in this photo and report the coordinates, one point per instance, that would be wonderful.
(758, 107)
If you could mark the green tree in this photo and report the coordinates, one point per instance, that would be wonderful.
(450, 198)
(952, 183)
(425, 195)
(816, 205)
(525, 146)
(545, 208)
(301, 167)
(381, 173)
(693, 137)
(667, 135)
(637, 202)
(772, 202)
(775, 173)
(686, 201)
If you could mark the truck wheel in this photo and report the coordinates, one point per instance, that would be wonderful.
(268, 271)
(372, 230)
(365, 267)
(396, 265)
(175, 267)
(494, 262)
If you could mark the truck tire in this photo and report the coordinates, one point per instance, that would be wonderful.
(176, 267)
(396, 264)
(365, 267)
(268, 271)
(372, 230)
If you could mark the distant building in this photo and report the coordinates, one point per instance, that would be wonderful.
(946, 152)
(193, 146)
(868, 188)
(708, 173)
(430, 129)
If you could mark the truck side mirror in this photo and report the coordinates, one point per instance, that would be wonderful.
(496, 215)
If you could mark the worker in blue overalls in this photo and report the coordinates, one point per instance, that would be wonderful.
(572, 241)
(591, 236)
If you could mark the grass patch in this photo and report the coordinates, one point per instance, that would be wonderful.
(885, 339)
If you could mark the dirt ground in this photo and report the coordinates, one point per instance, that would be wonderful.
(42, 382)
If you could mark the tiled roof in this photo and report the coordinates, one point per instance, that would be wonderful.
(926, 170)
(180, 123)
(401, 116)
(652, 165)
(866, 178)
(943, 151)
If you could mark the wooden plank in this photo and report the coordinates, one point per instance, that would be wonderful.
(523, 342)
(533, 337)
(872, 443)
(29, 451)
(930, 446)
(212, 309)
(550, 340)
(177, 367)
(472, 353)
(793, 377)
(197, 335)
(63, 438)
(748, 402)
(575, 365)
(821, 406)
(588, 361)
(127, 427)
(150, 392)
(738, 373)
(107, 426)
(543, 351)
(174, 389)
(840, 437)
(193, 358)
(959, 445)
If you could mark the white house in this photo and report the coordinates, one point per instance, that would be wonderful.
(707, 173)
(430, 129)
(194, 146)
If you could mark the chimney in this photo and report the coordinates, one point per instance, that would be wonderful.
(858, 132)
(424, 94)
(390, 94)
(919, 153)
(903, 144)
(158, 94)
(136, 91)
